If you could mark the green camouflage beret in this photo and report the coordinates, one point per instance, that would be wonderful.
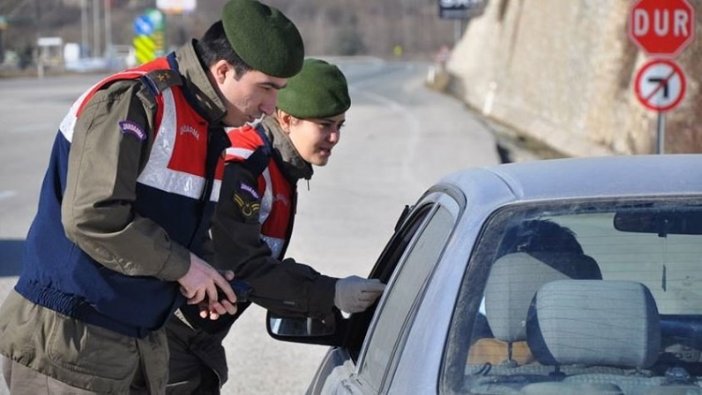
(263, 37)
(318, 91)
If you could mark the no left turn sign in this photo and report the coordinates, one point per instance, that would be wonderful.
(660, 85)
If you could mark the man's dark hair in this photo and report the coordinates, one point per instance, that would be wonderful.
(214, 46)
(552, 244)
(539, 236)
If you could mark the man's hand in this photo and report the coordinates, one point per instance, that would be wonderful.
(231, 308)
(354, 294)
(200, 284)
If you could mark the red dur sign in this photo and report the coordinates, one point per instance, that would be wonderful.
(662, 28)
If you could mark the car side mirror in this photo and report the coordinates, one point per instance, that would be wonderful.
(299, 327)
(325, 331)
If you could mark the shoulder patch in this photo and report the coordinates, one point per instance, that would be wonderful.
(132, 128)
(163, 79)
(250, 190)
(248, 201)
(249, 209)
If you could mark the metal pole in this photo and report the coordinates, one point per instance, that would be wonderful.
(83, 28)
(39, 53)
(37, 17)
(96, 28)
(108, 30)
(456, 30)
(660, 149)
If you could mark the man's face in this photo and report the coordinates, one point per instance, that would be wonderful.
(247, 96)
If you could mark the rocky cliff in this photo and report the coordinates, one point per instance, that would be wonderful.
(563, 72)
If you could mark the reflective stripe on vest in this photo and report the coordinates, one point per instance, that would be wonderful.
(162, 171)
(68, 123)
(159, 172)
(275, 191)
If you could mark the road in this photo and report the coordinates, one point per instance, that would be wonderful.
(399, 138)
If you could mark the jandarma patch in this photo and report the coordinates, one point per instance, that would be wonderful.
(129, 127)
(249, 189)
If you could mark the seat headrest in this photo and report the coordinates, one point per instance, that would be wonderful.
(513, 281)
(515, 278)
(594, 322)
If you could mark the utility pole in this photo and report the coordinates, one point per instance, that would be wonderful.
(96, 29)
(37, 17)
(457, 30)
(108, 29)
(83, 28)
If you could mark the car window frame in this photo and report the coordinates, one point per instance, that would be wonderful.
(359, 323)
(476, 272)
(433, 200)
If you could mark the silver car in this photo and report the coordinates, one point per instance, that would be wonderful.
(569, 276)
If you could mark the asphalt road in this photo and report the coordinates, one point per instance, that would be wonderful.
(400, 137)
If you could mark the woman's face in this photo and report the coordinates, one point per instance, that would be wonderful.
(314, 138)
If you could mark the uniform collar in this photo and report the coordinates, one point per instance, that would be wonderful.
(208, 100)
(292, 163)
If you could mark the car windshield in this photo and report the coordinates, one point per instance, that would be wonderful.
(581, 297)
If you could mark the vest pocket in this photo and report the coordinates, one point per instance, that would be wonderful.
(92, 350)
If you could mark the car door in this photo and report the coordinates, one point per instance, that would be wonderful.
(375, 339)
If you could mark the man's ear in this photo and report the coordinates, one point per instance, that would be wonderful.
(219, 70)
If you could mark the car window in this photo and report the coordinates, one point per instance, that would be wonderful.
(579, 297)
(402, 293)
(383, 269)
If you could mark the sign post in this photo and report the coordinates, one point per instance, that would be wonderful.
(3, 26)
(459, 10)
(149, 30)
(176, 6)
(661, 29)
(660, 86)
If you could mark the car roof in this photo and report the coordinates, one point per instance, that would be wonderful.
(592, 177)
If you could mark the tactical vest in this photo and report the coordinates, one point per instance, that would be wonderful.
(177, 189)
(278, 195)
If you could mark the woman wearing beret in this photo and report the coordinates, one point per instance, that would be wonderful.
(254, 218)
(121, 236)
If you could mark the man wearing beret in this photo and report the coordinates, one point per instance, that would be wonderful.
(120, 240)
(253, 224)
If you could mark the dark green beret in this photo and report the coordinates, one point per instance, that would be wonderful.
(263, 37)
(318, 91)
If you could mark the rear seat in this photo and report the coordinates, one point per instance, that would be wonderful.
(514, 279)
(594, 323)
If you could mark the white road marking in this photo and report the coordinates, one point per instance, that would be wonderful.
(7, 194)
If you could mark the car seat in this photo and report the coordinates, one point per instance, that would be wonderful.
(513, 280)
(592, 323)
